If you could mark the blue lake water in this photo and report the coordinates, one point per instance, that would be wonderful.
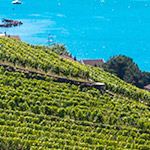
(89, 28)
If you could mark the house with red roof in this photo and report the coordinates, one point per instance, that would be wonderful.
(147, 87)
(17, 37)
(93, 62)
(67, 57)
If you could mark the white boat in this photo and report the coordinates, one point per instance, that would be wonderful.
(16, 2)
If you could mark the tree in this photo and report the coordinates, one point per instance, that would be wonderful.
(60, 49)
(124, 67)
(75, 58)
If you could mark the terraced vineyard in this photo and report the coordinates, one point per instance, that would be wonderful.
(42, 59)
(46, 114)
(39, 58)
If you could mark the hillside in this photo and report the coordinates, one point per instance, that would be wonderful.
(38, 58)
(46, 114)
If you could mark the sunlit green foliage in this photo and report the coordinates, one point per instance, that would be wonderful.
(59, 49)
(39, 58)
(45, 114)
(124, 67)
(41, 114)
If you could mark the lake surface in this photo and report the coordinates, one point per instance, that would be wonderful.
(90, 29)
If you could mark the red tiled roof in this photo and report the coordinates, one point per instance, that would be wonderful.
(147, 87)
(15, 37)
(67, 57)
(93, 62)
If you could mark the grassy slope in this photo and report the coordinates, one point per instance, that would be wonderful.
(49, 115)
